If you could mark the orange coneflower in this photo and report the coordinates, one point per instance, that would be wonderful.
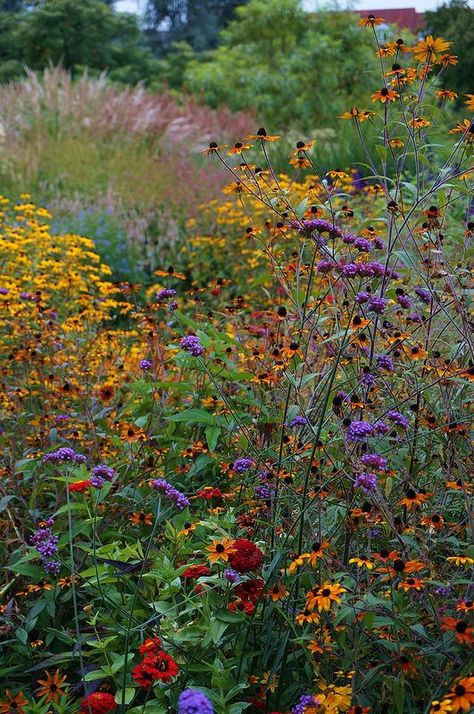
(324, 596)
(307, 617)
(465, 606)
(317, 551)
(385, 95)
(234, 187)
(412, 499)
(52, 687)
(220, 550)
(300, 162)
(461, 695)
(464, 127)
(435, 521)
(438, 707)
(13, 704)
(411, 584)
(169, 273)
(419, 123)
(358, 709)
(371, 21)
(446, 60)
(262, 135)
(462, 632)
(430, 49)
(470, 101)
(213, 148)
(141, 518)
(446, 94)
(362, 563)
(187, 529)
(396, 143)
(238, 148)
(460, 560)
(277, 592)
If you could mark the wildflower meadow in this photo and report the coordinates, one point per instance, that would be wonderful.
(241, 479)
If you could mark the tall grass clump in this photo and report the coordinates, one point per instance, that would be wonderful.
(251, 489)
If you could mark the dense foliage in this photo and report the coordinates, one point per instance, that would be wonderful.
(247, 486)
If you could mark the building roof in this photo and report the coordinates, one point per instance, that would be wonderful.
(404, 17)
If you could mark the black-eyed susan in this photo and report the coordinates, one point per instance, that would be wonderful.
(277, 592)
(460, 560)
(413, 499)
(238, 148)
(440, 707)
(385, 95)
(461, 629)
(220, 550)
(447, 94)
(53, 687)
(187, 529)
(213, 148)
(307, 617)
(461, 695)
(14, 703)
(430, 49)
(411, 584)
(325, 596)
(362, 562)
(470, 101)
(371, 21)
(262, 135)
(141, 518)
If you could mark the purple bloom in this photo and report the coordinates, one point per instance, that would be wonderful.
(415, 317)
(165, 293)
(52, 567)
(359, 430)
(264, 492)
(4, 291)
(398, 419)
(192, 701)
(375, 461)
(232, 575)
(240, 466)
(173, 494)
(61, 417)
(64, 453)
(404, 301)
(100, 474)
(367, 379)
(366, 481)
(298, 421)
(146, 365)
(377, 305)
(378, 243)
(191, 344)
(46, 544)
(381, 428)
(306, 700)
(349, 238)
(384, 362)
(424, 295)
(362, 297)
(362, 244)
(321, 226)
(349, 270)
(325, 266)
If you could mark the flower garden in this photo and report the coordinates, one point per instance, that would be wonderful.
(247, 485)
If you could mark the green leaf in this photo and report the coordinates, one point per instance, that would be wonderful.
(198, 416)
(212, 434)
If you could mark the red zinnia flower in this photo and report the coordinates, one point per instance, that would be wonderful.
(247, 556)
(196, 571)
(155, 666)
(98, 703)
(250, 591)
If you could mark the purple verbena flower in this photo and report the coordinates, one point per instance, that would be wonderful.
(367, 482)
(381, 428)
(398, 419)
(362, 244)
(362, 297)
(298, 421)
(100, 474)
(191, 344)
(404, 301)
(384, 362)
(192, 701)
(377, 304)
(424, 295)
(146, 365)
(165, 293)
(232, 575)
(64, 453)
(359, 431)
(240, 466)
(375, 461)
(306, 700)
(179, 499)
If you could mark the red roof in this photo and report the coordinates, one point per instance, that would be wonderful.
(403, 17)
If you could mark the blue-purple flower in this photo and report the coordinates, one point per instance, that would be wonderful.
(64, 453)
(191, 344)
(178, 498)
(192, 701)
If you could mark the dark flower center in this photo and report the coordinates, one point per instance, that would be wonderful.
(220, 548)
(326, 592)
(459, 690)
(461, 627)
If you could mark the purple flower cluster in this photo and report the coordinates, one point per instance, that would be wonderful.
(191, 344)
(381, 428)
(367, 379)
(192, 701)
(359, 430)
(232, 575)
(398, 419)
(384, 362)
(362, 297)
(377, 305)
(404, 301)
(424, 295)
(173, 494)
(366, 481)
(64, 453)
(298, 421)
(100, 474)
(46, 543)
(306, 700)
(264, 492)
(165, 294)
(371, 269)
(375, 461)
(240, 466)
(146, 365)
(319, 225)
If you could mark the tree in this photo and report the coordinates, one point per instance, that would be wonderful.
(197, 22)
(455, 22)
(296, 69)
(89, 33)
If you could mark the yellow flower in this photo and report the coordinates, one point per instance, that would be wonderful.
(470, 101)
(220, 550)
(438, 707)
(324, 596)
(430, 49)
(460, 560)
